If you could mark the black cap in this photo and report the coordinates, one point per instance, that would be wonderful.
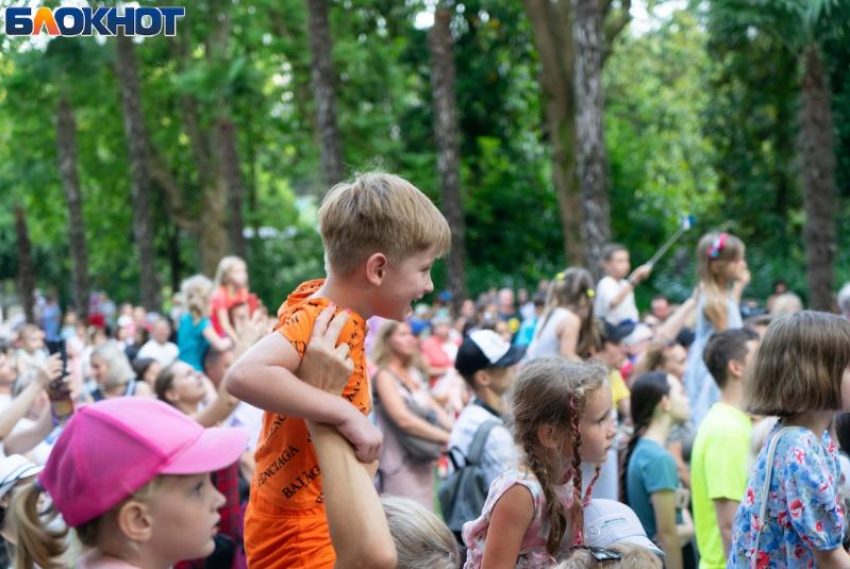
(615, 333)
(483, 349)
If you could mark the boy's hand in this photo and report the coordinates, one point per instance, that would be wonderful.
(362, 434)
(326, 365)
(641, 273)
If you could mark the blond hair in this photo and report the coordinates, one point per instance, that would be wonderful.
(119, 370)
(632, 556)
(40, 545)
(553, 391)
(379, 212)
(799, 365)
(222, 272)
(421, 538)
(712, 262)
(572, 289)
(196, 295)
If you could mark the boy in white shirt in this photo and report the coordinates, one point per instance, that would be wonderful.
(615, 298)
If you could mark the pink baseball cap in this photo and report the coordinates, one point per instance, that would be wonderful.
(110, 449)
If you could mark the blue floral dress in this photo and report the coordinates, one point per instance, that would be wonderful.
(803, 509)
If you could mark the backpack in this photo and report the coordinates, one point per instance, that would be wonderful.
(464, 492)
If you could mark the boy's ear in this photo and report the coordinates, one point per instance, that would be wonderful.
(376, 268)
(482, 377)
(665, 403)
(735, 369)
(135, 521)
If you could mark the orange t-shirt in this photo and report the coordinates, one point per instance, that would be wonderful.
(288, 479)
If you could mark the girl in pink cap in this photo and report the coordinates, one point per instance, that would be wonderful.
(131, 476)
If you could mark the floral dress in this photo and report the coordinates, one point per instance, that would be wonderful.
(533, 553)
(803, 509)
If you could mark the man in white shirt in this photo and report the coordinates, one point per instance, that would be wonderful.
(615, 297)
(488, 364)
(158, 347)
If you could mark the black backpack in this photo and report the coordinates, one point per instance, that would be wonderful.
(464, 492)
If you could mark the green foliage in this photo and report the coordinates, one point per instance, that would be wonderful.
(699, 119)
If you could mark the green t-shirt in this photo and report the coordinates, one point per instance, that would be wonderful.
(718, 470)
(651, 469)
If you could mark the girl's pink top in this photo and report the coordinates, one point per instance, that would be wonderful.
(532, 552)
(95, 560)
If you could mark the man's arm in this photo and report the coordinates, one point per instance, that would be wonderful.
(358, 526)
(725, 510)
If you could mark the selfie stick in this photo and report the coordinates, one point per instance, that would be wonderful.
(687, 223)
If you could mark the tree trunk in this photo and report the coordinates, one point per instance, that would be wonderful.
(448, 145)
(324, 91)
(26, 276)
(66, 145)
(228, 153)
(818, 168)
(134, 127)
(591, 158)
(551, 22)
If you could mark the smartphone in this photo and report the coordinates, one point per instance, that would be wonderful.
(58, 391)
(58, 347)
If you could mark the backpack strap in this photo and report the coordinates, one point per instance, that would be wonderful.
(771, 452)
(476, 449)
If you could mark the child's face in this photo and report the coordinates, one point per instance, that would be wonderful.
(678, 405)
(405, 283)
(238, 275)
(32, 341)
(597, 427)
(185, 517)
(845, 390)
(618, 266)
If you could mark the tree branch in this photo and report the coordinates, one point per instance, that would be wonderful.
(614, 26)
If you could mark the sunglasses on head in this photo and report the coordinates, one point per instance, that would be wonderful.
(601, 554)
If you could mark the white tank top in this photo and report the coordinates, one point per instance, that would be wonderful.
(546, 344)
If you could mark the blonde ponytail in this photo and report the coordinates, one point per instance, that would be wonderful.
(38, 545)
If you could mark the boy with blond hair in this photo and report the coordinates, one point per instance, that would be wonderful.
(381, 236)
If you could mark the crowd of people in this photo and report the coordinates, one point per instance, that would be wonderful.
(360, 427)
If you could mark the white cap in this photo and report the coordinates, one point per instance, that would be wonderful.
(13, 469)
(607, 523)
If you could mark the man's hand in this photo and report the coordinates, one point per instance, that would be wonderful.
(325, 364)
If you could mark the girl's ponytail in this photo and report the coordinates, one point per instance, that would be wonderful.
(38, 545)
(647, 392)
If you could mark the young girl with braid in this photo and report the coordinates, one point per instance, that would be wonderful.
(561, 414)
(649, 481)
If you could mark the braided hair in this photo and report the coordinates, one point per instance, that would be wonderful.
(553, 391)
(647, 392)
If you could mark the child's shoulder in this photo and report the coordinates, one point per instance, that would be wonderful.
(298, 313)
